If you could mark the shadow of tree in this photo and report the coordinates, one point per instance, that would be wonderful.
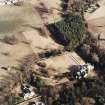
(56, 35)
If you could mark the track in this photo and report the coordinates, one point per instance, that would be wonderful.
(25, 102)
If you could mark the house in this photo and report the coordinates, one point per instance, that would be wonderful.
(82, 71)
(27, 91)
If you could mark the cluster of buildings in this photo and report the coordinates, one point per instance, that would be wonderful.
(9, 2)
(82, 71)
(28, 93)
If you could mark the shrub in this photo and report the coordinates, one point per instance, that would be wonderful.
(10, 40)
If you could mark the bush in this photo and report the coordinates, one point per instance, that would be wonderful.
(10, 40)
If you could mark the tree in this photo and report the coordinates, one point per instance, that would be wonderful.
(72, 29)
(66, 97)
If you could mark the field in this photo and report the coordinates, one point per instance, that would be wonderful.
(20, 22)
(96, 22)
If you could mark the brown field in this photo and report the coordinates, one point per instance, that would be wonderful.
(21, 21)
